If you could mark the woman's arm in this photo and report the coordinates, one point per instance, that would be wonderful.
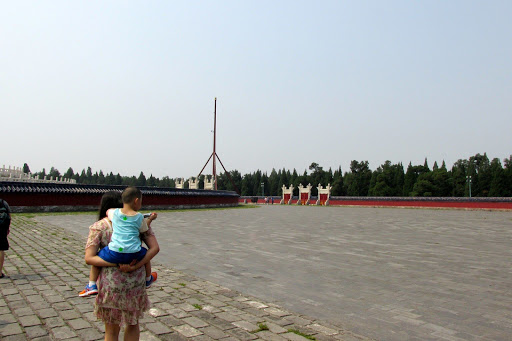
(154, 248)
(92, 258)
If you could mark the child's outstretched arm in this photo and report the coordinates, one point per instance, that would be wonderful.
(152, 217)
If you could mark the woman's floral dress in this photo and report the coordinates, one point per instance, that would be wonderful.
(121, 296)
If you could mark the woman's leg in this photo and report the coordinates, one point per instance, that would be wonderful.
(112, 332)
(132, 333)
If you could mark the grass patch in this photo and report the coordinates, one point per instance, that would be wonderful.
(197, 306)
(35, 214)
(182, 284)
(261, 326)
(206, 209)
(298, 332)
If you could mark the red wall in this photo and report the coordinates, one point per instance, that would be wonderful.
(402, 203)
(60, 199)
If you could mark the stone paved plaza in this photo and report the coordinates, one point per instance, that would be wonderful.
(332, 272)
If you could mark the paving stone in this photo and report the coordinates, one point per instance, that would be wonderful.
(293, 337)
(55, 298)
(170, 321)
(7, 292)
(62, 306)
(147, 336)
(179, 313)
(36, 331)
(35, 298)
(79, 323)
(61, 333)
(187, 307)
(7, 319)
(17, 304)
(187, 331)
(322, 329)
(11, 329)
(40, 305)
(246, 325)
(268, 335)
(24, 311)
(275, 328)
(195, 322)
(45, 313)
(42, 338)
(202, 338)
(228, 317)
(19, 337)
(53, 322)
(298, 320)
(256, 304)
(14, 298)
(277, 312)
(241, 334)
(171, 337)
(69, 314)
(155, 312)
(221, 324)
(214, 332)
(158, 328)
(27, 321)
(211, 309)
(84, 308)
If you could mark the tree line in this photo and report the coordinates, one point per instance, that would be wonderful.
(476, 176)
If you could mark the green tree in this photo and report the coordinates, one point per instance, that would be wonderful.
(458, 178)
(387, 180)
(141, 180)
(101, 178)
(441, 180)
(110, 179)
(337, 184)
(508, 176)
(69, 173)
(479, 169)
(273, 180)
(359, 183)
(411, 176)
(151, 181)
(247, 186)
(54, 172)
(498, 186)
(424, 186)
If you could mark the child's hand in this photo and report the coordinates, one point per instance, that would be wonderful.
(152, 217)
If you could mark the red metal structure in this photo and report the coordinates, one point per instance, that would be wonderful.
(215, 156)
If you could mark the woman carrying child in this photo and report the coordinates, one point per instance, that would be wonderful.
(122, 297)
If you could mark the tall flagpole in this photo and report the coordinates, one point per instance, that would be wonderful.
(214, 142)
(215, 156)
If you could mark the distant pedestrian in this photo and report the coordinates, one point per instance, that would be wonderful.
(5, 223)
(272, 200)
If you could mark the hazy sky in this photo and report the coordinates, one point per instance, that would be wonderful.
(125, 86)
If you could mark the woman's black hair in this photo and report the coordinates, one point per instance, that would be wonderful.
(109, 200)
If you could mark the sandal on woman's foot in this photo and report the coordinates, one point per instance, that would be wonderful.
(2, 276)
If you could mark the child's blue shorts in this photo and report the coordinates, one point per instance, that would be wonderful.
(121, 258)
